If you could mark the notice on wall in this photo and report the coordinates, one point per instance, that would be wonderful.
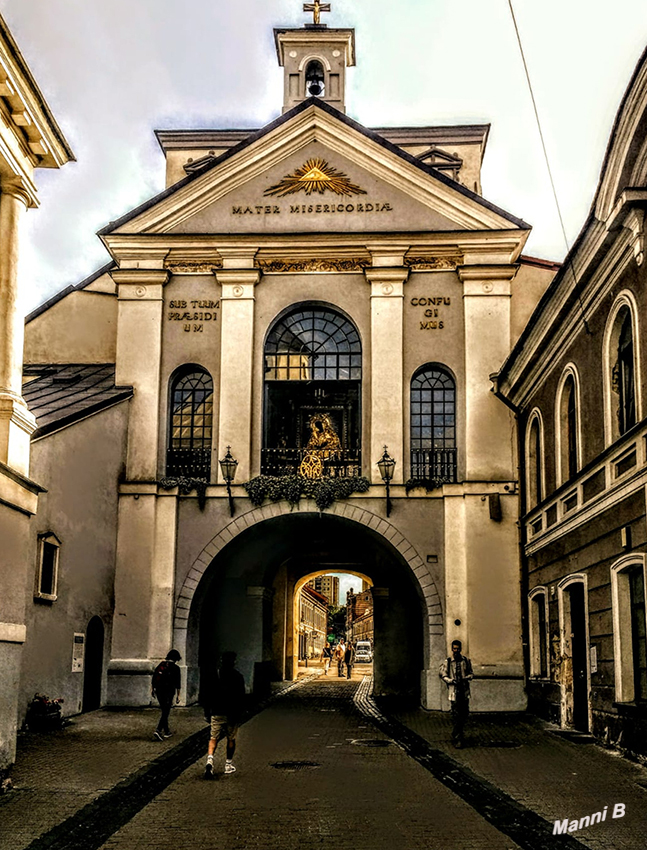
(594, 659)
(431, 311)
(78, 652)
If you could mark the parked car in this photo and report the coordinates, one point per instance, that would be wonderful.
(363, 652)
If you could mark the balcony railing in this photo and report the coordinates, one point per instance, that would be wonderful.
(189, 463)
(346, 464)
(437, 466)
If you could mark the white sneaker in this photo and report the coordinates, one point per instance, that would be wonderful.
(229, 768)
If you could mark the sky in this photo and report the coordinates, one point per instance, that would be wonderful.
(113, 71)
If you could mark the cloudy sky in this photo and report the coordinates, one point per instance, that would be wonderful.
(115, 70)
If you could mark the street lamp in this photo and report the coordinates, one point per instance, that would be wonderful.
(386, 465)
(228, 466)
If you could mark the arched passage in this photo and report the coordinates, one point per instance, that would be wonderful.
(239, 594)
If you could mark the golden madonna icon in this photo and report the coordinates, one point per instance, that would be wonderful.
(322, 443)
(315, 176)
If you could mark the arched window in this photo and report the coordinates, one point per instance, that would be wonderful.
(433, 425)
(534, 460)
(629, 628)
(539, 633)
(621, 375)
(567, 426)
(313, 373)
(191, 424)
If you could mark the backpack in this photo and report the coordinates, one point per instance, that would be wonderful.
(163, 677)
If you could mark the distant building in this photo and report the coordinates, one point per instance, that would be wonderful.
(313, 622)
(359, 615)
(329, 586)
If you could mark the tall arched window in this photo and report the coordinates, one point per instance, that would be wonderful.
(622, 382)
(567, 426)
(190, 424)
(433, 425)
(313, 374)
(534, 460)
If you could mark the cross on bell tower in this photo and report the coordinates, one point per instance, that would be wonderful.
(315, 59)
(316, 8)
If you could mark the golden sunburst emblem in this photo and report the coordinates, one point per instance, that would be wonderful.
(315, 176)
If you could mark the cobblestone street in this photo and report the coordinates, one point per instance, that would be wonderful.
(314, 770)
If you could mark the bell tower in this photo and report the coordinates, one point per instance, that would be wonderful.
(315, 59)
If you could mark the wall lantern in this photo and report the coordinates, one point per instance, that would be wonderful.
(228, 466)
(386, 465)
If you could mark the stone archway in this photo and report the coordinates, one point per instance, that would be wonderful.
(434, 644)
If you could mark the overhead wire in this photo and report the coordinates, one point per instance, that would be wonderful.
(547, 160)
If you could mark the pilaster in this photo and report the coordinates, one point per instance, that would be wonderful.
(139, 351)
(387, 363)
(236, 359)
(16, 422)
(488, 423)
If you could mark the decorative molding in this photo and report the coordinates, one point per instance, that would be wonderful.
(315, 175)
(192, 267)
(349, 264)
(418, 264)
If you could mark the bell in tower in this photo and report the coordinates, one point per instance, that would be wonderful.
(315, 59)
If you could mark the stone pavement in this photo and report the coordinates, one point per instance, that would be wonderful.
(527, 759)
(355, 793)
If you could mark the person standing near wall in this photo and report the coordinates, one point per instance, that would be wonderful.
(166, 685)
(456, 672)
(349, 658)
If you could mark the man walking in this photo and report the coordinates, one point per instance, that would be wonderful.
(340, 649)
(456, 672)
(326, 654)
(167, 681)
(349, 658)
(223, 701)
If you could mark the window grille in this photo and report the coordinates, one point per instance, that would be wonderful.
(433, 425)
(191, 426)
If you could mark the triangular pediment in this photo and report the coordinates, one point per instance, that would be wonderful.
(315, 170)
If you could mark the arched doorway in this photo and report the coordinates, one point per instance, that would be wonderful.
(244, 598)
(93, 666)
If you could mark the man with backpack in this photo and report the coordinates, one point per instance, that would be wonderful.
(166, 685)
(223, 700)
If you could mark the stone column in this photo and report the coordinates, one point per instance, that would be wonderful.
(16, 422)
(139, 354)
(387, 411)
(236, 360)
(489, 437)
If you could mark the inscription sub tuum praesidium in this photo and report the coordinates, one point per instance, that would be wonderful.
(432, 311)
(193, 313)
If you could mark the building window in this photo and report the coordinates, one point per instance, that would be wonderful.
(539, 633)
(191, 424)
(433, 425)
(621, 375)
(313, 374)
(47, 573)
(534, 460)
(630, 628)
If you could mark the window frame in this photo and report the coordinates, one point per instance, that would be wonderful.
(624, 301)
(206, 446)
(623, 635)
(539, 478)
(47, 538)
(562, 426)
(534, 633)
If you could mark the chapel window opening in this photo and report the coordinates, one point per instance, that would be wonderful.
(313, 372)
(47, 573)
(567, 429)
(433, 426)
(315, 79)
(623, 379)
(539, 634)
(191, 425)
(534, 463)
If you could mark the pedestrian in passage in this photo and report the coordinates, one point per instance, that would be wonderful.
(326, 654)
(166, 684)
(349, 658)
(456, 672)
(223, 700)
(340, 649)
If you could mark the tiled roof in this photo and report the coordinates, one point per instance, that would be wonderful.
(60, 394)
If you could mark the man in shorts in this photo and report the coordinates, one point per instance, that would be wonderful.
(223, 703)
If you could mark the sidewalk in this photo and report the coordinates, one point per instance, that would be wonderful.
(557, 779)
(57, 773)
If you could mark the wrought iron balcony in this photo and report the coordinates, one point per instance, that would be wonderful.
(434, 466)
(189, 463)
(344, 464)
